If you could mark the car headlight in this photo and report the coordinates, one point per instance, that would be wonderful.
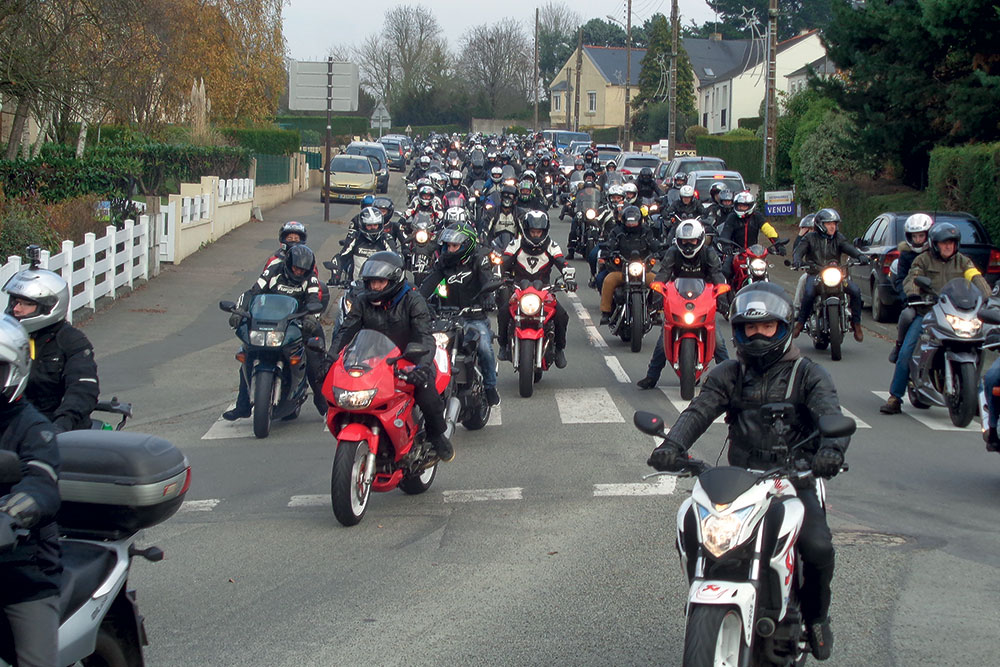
(530, 304)
(635, 269)
(422, 236)
(721, 532)
(758, 266)
(591, 214)
(831, 276)
(964, 327)
(267, 338)
(353, 400)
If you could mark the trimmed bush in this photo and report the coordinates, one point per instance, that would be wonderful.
(752, 124)
(605, 135)
(741, 153)
(967, 178)
(339, 125)
(271, 142)
(692, 133)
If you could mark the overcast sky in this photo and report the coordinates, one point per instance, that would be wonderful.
(312, 26)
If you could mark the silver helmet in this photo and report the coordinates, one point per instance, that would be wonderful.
(690, 236)
(45, 288)
(15, 358)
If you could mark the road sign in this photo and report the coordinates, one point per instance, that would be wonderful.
(779, 202)
(409, 130)
(380, 117)
(307, 86)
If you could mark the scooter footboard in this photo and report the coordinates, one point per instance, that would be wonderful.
(741, 595)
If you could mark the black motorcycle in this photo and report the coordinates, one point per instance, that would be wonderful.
(465, 398)
(631, 313)
(585, 220)
(421, 246)
(831, 315)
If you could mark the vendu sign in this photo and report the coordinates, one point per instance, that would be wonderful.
(779, 202)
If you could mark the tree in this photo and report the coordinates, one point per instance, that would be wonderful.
(497, 67)
(654, 83)
(599, 32)
(416, 36)
(557, 25)
(794, 16)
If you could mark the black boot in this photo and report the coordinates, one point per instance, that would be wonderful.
(605, 318)
(236, 413)
(646, 383)
(442, 447)
(820, 638)
(560, 358)
(503, 354)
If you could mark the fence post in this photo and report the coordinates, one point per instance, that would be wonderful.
(88, 265)
(43, 259)
(67, 274)
(129, 254)
(109, 274)
(144, 247)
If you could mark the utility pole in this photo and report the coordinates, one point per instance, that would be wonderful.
(770, 152)
(628, 74)
(569, 92)
(579, 66)
(534, 80)
(672, 123)
(329, 138)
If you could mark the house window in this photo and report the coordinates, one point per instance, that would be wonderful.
(592, 101)
(557, 102)
(704, 120)
(723, 121)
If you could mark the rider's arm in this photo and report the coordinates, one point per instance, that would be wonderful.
(802, 246)
(667, 264)
(712, 401)
(431, 281)
(847, 248)
(420, 323)
(821, 399)
(263, 282)
(80, 386)
(712, 265)
(918, 268)
(973, 275)
(35, 499)
(769, 231)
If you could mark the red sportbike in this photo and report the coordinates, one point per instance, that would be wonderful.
(373, 416)
(532, 313)
(749, 264)
(689, 327)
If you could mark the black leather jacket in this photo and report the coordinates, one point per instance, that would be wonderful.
(817, 249)
(465, 281)
(642, 240)
(705, 265)
(403, 318)
(63, 381)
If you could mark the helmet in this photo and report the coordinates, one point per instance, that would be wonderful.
(916, 223)
(385, 205)
(15, 358)
(578, 164)
(632, 217)
(689, 237)
(944, 231)
(426, 194)
(496, 173)
(726, 200)
(744, 203)
(424, 181)
(507, 195)
(47, 289)
(299, 257)
(687, 191)
(611, 164)
(824, 216)
(460, 233)
(645, 174)
(292, 227)
(535, 220)
(424, 161)
(680, 178)
(761, 302)
(386, 265)
(367, 200)
(526, 189)
(455, 175)
(370, 223)
(807, 221)
(716, 188)
(439, 180)
(631, 191)
(590, 174)
(588, 155)
(455, 214)
(529, 175)
(616, 190)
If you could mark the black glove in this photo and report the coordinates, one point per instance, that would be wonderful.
(8, 538)
(63, 423)
(571, 285)
(827, 461)
(235, 320)
(667, 457)
(779, 249)
(419, 376)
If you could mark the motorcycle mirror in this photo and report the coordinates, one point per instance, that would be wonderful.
(924, 283)
(10, 467)
(837, 426)
(228, 306)
(990, 315)
(649, 423)
(414, 351)
(314, 307)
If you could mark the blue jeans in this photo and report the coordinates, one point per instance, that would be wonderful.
(991, 379)
(659, 359)
(487, 359)
(901, 376)
(592, 259)
(599, 280)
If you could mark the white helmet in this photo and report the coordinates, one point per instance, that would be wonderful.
(631, 191)
(455, 214)
(687, 191)
(744, 204)
(45, 288)
(15, 358)
(455, 175)
(918, 222)
(690, 236)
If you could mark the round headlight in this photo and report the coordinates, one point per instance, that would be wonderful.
(688, 318)
(635, 269)
(591, 214)
(422, 236)
(831, 276)
(530, 304)
(758, 266)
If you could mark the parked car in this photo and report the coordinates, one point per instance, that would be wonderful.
(629, 164)
(351, 178)
(394, 151)
(562, 138)
(376, 152)
(607, 152)
(881, 240)
(702, 181)
(689, 163)
(405, 142)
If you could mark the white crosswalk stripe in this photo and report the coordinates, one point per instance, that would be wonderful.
(658, 486)
(617, 370)
(935, 418)
(496, 417)
(206, 505)
(857, 420)
(310, 500)
(479, 495)
(587, 406)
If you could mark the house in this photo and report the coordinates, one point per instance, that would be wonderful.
(602, 87)
(799, 79)
(731, 75)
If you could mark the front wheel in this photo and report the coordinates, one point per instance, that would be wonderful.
(638, 323)
(348, 492)
(526, 368)
(714, 637)
(687, 360)
(836, 333)
(263, 404)
(417, 484)
(479, 415)
(963, 403)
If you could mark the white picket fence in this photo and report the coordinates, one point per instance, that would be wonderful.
(183, 211)
(98, 266)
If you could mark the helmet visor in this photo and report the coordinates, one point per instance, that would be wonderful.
(755, 305)
(376, 268)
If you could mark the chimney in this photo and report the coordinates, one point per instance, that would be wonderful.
(715, 37)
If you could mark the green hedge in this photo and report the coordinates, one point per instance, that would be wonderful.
(753, 123)
(424, 130)
(271, 142)
(967, 178)
(605, 135)
(339, 124)
(741, 153)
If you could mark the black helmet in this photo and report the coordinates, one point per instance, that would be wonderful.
(761, 302)
(680, 178)
(508, 194)
(632, 217)
(370, 224)
(292, 227)
(726, 200)
(588, 155)
(716, 188)
(646, 174)
(578, 164)
(944, 231)
(533, 221)
(299, 257)
(591, 174)
(526, 189)
(385, 205)
(385, 265)
(463, 234)
(824, 216)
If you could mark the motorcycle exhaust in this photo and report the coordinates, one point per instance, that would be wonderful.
(451, 416)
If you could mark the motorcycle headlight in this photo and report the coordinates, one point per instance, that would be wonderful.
(591, 214)
(721, 532)
(353, 400)
(689, 318)
(758, 266)
(440, 339)
(267, 338)
(496, 257)
(422, 236)
(964, 327)
(635, 269)
(831, 276)
(530, 304)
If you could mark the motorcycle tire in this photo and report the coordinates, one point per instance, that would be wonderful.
(687, 360)
(638, 330)
(112, 649)
(964, 403)
(836, 333)
(416, 484)
(480, 414)
(263, 404)
(526, 368)
(714, 636)
(348, 493)
(569, 253)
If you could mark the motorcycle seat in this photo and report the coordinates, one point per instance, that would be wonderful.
(85, 566)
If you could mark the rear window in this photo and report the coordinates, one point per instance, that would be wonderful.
(703, 185)
(392, 148)
(369, 151)
(699, 165)
(971, 232)
(637, 163)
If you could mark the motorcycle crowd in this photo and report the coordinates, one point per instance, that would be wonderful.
(411, 356)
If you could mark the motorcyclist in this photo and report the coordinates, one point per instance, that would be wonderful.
(528, 198)
(631, 236)
(426, 200)
(690, 256)
(743, 226)
(455, 183)
(390, 305)
(915, 230)
(392, 223)
(943, 263)
(531, 257)
(648, 189)
(361, 244)
(62, 384)
(504, 217)
(468, 274)
(631, 194)
(805, 226)
(419, 170)
(607, 217)
(477, 169)
(713, 196)
(674, 193)
(493, 184)
(717, 213)
(30, 565)
(824, 245)
(685, 208)
(295, 277)
(770, 369)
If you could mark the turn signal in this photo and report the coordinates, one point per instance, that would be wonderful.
(295, 359)
(241, 357)
(722, 289)
(657, 286)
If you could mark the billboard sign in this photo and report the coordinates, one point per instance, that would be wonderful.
(307, 86)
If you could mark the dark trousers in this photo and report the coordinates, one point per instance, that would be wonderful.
(561, 322)
(35, 628)
(432, 407)
(659, 359)
(315, 363)
(809, 297)
(815, 547)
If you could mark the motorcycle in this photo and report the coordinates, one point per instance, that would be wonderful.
(532, 310)
(112, 407)
(749, 264)
(478, 192)
(548, 189)
(631, 315)
(421, 247)
(465, 396)
(831, 316)
(689, 306)
(112, 486)
(736, 536)
(273, 356)
(944, 367)
(586, 209)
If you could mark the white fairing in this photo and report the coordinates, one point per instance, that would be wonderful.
(783, 561)
(729, 593)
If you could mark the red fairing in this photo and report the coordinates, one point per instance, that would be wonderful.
(533, 327)
(741, 262)
(702, 322)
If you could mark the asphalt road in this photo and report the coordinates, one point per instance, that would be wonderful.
(534, 545)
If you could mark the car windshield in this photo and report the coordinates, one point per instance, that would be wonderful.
(637, 163)
(392, 147)
(273, 307)
(704, 185)
(367, 151)
(367, 349)
(346, 165)
(971, 232)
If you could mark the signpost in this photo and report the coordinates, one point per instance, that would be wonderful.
(381, 118)
(779, 202)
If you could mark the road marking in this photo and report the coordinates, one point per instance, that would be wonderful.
(932, 418)
(206, 505)
(310, 501)
(616, 368)
(857, 420)
(596, 339)
(221, 429)
(587, 406)
(659, 486)
(673, 395)
(496, 419)
(479, 495)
